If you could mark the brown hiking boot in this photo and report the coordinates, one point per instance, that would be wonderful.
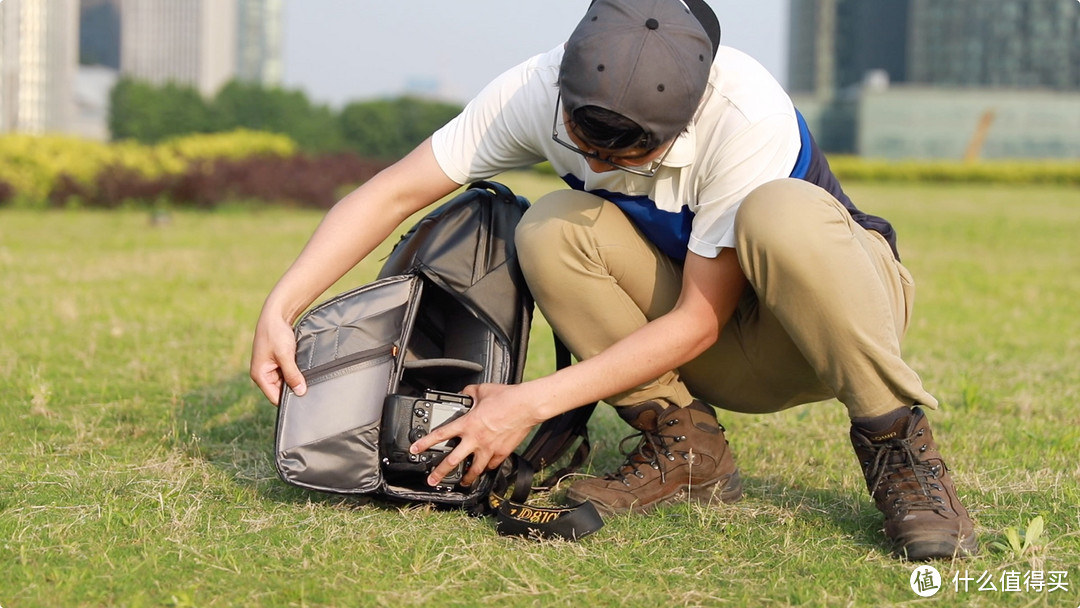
(682, 454)
(911, 485)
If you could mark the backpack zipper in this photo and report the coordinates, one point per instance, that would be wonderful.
(349, 360)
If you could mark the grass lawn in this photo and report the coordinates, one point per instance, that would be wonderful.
(137, 468)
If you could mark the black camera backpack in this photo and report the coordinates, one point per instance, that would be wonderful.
(449, 308)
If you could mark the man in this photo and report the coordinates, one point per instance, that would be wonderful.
(704, 255)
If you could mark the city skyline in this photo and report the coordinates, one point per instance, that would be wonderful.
(338, 52)
(334, 52)
(904, 78)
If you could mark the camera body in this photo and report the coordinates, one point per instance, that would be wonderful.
(406, 419)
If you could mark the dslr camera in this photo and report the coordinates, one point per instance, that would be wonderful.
(405, 420)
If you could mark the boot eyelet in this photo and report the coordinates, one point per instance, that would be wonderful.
(920, 433)
(923, 448)
(639, 474)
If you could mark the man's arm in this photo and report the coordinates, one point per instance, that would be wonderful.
(349, 232)
(503, 415)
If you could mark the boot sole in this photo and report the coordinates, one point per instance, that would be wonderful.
(704, 493)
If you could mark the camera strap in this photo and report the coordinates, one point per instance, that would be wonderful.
(513, 517)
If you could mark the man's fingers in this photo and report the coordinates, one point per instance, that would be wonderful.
(497, 459)
(444, 432)
(268, 379)
(292, 376)
(270, 384)
(479, 465)
(451, 461)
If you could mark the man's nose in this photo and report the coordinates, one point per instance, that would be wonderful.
(599, 166)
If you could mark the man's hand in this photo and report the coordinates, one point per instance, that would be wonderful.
(349, 232)
(499, 420)
(273, 358)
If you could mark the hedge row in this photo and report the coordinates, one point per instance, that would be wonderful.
(205, 170)
(1060, 172)
(856, 169)
(192, 171)
(299, 180)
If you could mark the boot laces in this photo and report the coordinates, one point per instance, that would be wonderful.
(898, 465)
(651, 445)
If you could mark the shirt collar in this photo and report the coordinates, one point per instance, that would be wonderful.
(682, 149)
(685, 147)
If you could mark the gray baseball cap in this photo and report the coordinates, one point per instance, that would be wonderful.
(647, 60)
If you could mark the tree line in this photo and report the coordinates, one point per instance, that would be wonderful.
(384, 129)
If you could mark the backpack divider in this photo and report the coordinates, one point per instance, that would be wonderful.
(448, 348)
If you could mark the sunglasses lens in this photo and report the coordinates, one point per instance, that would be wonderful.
(648, 170)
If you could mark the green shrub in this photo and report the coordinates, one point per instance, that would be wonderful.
(36, 167)
(856, 169)
(1061, 172)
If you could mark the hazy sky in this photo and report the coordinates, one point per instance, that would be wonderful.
(343, 50)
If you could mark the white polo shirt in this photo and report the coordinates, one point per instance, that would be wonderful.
(746, 133)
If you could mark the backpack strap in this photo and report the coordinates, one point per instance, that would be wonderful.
(556, 436)
(552, 441)
(513, 517)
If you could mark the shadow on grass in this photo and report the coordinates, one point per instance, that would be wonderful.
(834, 511)
(231, 426)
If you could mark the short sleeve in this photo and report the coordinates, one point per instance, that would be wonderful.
(759, 153)
(499, 129)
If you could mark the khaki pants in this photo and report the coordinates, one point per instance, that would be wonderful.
(828, 307)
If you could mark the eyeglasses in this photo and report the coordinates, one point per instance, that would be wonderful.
(610, 160)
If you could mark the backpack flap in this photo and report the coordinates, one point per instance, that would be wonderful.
(348, 349)
(466, 247)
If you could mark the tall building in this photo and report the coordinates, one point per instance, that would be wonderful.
(200, 43)
(38, 60)
(259, 35)
(189, 42)
(835, 43)
(995, 43)
(939, 78)
(203, 43)
(982, 43)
